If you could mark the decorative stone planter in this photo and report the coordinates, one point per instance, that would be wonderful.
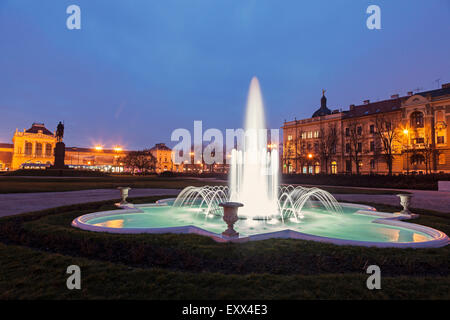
(230, 217)
(123, 194)
(405, 200)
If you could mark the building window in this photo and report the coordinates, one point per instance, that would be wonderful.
(359, 147)
(48, 150)
(348, 165)
(417, 119)
(440, 139)
(289, 138)
(388, 126)
(372, 128)
(372, 164)
(442, 158)
(28, 148)
(310, 134)
(303, 135)
(333, 167)
(359, 130)
(347, 132)
(317, 168)
(39, 149)
(417, 159)
(420, 140)
(372, 146)
(316, 134)
(347, 147)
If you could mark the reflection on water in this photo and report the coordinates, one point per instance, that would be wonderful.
(116, 223)
(349, 226)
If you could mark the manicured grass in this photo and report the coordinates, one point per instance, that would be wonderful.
(48, 184)
(33, 274)
(36, 249)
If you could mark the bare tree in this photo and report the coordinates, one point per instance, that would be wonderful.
(355, 140)
(328, 144)
(141, 161)
(387, 131)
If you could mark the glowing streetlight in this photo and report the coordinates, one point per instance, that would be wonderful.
(405, 131)
(98, 148)
(118, 149)
(310, 155)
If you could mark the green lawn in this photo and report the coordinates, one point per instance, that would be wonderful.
(11, 184)
(36, 248)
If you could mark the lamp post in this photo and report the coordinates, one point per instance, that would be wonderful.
(406, 133)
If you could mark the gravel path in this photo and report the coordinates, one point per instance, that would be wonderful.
(15, 203)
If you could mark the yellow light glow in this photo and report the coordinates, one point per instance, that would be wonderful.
(310, 155)
(117, 149)
(98, 148)
(405, 131)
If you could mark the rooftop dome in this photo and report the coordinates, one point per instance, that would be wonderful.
(323, 110)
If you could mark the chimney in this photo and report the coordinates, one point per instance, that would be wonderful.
(410, 93)
(395, 96)
(366, 101)
(352, 107)
(446, 85)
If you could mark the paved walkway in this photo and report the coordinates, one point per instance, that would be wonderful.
(15, 203)
(421, 199)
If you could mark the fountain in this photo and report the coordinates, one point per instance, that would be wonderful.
(269, 210)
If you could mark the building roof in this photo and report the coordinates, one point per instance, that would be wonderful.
(160, 146)
(36, 127)
(445, 90)
(373, 108)
(6, 145)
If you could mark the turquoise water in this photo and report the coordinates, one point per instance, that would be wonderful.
(347, 225)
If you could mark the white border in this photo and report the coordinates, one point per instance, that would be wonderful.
(440, 239)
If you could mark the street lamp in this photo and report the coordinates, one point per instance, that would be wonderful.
(406, 133)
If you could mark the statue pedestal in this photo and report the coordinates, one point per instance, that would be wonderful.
(60, 153)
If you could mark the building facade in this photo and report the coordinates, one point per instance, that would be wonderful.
(407, 134)
(33, 148)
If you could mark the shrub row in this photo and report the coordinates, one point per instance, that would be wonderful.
(424, 182)
(50, 230)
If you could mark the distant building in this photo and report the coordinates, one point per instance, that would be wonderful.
(33, 148)
(164, 161)
(355, 140)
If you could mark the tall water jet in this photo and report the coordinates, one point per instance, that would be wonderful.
(254, 171)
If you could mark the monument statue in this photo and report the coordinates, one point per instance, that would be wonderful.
(60, 148)
(59, 132)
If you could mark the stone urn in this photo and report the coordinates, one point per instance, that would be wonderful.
(230, 217)
(405, 200)
(123, 194)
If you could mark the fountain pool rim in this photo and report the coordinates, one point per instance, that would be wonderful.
(439, 239)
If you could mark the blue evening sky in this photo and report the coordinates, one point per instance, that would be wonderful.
(137, 70)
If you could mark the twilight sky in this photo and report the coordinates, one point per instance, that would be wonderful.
(139, 69)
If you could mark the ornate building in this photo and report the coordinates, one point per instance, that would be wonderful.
(401, 135)
(164, 161)
(34, 149)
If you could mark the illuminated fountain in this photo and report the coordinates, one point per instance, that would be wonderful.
(269, 210)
